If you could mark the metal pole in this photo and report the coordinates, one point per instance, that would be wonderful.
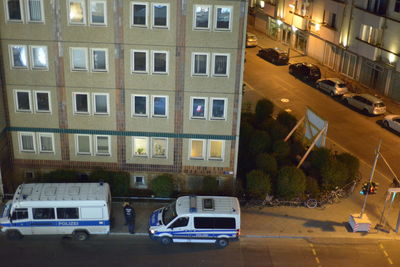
(311, 147)
(294, 128)
(371, 177)
(387, 164)
(398, 223)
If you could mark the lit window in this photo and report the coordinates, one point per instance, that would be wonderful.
(102, 145)
(220, 64)
(83, 144)
(77, 12)
(98, 12)
(101, 103)
(198, 108)
(160, 62)
(99, 60)
(139, 14)
(159, 147)
(218, 108)
(141, 146)
(46, 142)
(39, 57)
(139, 61)
(140, 105)
(35, 11)
(197, 148)
(215, 151)
(223, 17)
(200, 64)
(42, 103)
(79, 58)
(23, 101)
(81, 103)
(27, 142)
(160, 15)
(160, 104)
(19, 56)
(14, 10)
(202, 17)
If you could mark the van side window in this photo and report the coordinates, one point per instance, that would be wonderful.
(203, 222)
(225, 223)
(67, 213)
(211, 223)
(43, 213)
(20, 214)
(180, 222)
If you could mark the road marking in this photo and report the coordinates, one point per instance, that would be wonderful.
(315, 254)
(316, 258)
(385, 253)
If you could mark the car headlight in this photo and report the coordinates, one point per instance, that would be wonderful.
(152, 231)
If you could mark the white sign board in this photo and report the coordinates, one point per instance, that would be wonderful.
(313, 125)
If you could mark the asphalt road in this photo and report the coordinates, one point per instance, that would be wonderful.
(140, 251)
(352, 130)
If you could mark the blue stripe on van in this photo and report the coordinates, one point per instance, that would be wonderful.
(199, 233)
(54, 223)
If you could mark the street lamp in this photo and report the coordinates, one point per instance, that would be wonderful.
(294, 29)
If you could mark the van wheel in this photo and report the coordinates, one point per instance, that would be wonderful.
(332, 94)
(165, 240)
(81, 235)
(14, 235)
(223, 242)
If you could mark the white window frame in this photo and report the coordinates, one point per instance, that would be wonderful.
(95, 112)
(166, 62)
(36, 101)
(72, 58)
(12, 64)
(97, 153)
(209, 17)
(32, 134)
(21, 10)
(83, 2)
(216, 18)
(166, 106)
(77, 152)
(92, 50)
(222, 150)
(133, 61)
(74, 103)
(153, 17)
(51, 135)
(147, 14)
(140, 185)
(203, 156)
(28, 15)
(194, 54)
(227, 64)
(166, 148)
(105, 13)
(212, 106)
(345, 73)
(147, 146)
(16, 101)
(133, 106)
(31, 47)
(192, 98)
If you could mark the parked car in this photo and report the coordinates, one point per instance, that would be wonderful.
(305, 71)
(274, 55)
(251, 40)
(392, 122)
(332, 86)
(368, 104)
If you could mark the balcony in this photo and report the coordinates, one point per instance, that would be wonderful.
(370, 51)
(300, 22)
(270, 9)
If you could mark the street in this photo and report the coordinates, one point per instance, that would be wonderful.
(126, 250)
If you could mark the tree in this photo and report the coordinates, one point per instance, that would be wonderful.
(118, 181)
(334, 174)
(291, 182)
(352, 163)
(267, 163)
(210, 185)
(281, 149)
(259, 142)
(163, 185)
(319, 157)
(264, 109)
(287, 119)
(278, 131)
(258, 184)
(312, 187)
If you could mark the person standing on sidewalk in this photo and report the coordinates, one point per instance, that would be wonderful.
(129, 213)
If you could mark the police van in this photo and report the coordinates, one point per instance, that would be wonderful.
(77, 209)
(197, 219)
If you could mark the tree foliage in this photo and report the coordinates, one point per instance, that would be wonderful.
(264, 109)
(291, 182)
(258, 184)
(163, 185)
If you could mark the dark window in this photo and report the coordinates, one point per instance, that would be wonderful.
(20, 214)
(42, 101)
(14, 10)
(43, 213)
(81, 103)
(139, 14)
(203, 223)
(211, 223)
(67, 213)
(180, 222)
(397, 6)
(225, 223)
(333, 20)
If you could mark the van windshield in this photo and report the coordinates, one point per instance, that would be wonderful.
(169, 213)
(379, 105)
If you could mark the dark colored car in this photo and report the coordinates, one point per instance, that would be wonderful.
(274, 55)
(305, 71)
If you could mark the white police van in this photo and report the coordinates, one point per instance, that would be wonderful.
(197, 219)
(77, 209)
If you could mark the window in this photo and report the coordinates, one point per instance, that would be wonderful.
(349, 64)
(27, 142)
(39, 57)
(83, 144)
(197, 149)
(139, 14)
(215, 151)
(141, 146)
(79, 58)
(202, 17)
(160, 62)
(160, 15)
(370, 34)
(180, 222)
(98, 13)
(42, 103)
(397, 6)
(140, 61)
(160, 104)
(77, 12)
(14, 10)
(46, 142)
(101, 103)
(19, 214)
(159, 147)
(198, 107)
(43, 213)
(23, 101)
(214, 223)
(18, 56)
(81, 103)
(218, 109)
(203, 222)
(35, 11)
(139, 180)
(200, 64)
(67, 213)
(220, 64)
(140, 105)
(102, 144)
(223, 17)
(99, 59)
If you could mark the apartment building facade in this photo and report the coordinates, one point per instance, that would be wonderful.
(355, 37)
(141, 86)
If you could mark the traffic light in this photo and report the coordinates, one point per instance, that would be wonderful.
(373, 188)
(370, 188)
(364, 189)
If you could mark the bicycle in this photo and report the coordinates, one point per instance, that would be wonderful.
(270, 201)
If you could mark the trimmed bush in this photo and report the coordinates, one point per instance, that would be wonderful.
(210, 185)
(291, 182)
(267, 163)
(278, 132)
(264, 109)
(287, 119)
(312, 187)
(60, 176)
(352, 163)
(258, 184)
(163, 185)
(334, 173)
(246, 131)
(118, 181)
(259, 142)
(281, 149)
(319, 157)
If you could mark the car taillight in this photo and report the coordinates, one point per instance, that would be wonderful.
(238, 232)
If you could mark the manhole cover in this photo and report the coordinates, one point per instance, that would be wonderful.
(288, 110)
(284, 100)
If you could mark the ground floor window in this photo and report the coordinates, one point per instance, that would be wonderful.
(331, 55)
(349, 63)
(373, 76)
